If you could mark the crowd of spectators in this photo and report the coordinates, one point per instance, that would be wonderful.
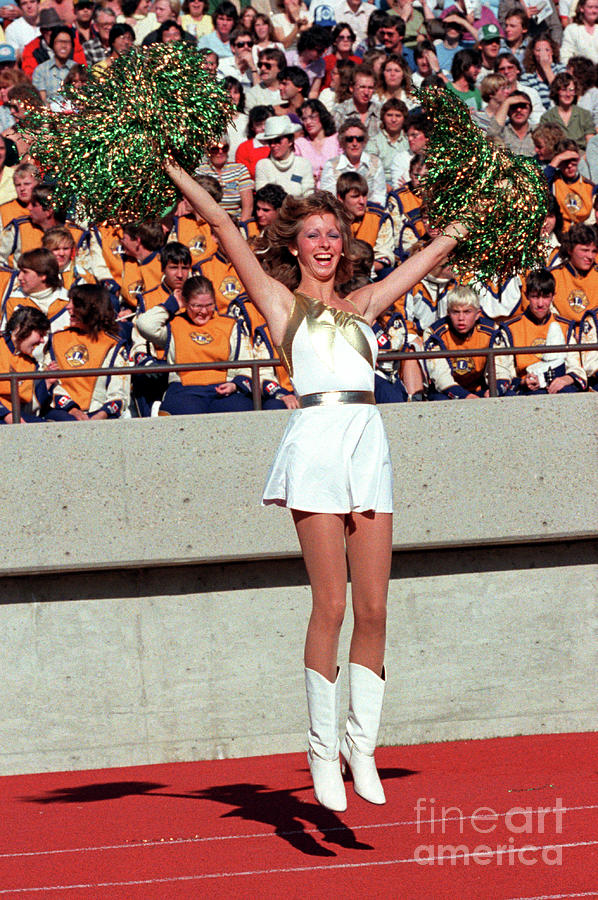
(324, 99)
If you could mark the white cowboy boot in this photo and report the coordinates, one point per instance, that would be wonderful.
(323, 706)
(363, 722)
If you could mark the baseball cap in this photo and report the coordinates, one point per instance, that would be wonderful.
(324, 16)
(489, 33)
(7, 53)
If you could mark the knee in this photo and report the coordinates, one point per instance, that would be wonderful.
(330, 612)
(370, 615)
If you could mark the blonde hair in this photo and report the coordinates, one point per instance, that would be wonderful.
(491, 84)
(175, 7)
(462, 295)
(274, 247)
(27, 169)
(56, 236)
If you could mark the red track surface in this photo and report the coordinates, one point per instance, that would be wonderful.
(250, 828)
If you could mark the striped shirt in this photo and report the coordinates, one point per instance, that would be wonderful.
(233, 178)
(533, 80)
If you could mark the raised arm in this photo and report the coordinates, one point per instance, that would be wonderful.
(373, 299)
(271, 297)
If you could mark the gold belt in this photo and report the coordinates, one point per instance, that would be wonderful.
(334, 398)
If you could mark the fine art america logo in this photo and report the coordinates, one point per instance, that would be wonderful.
(521, 835)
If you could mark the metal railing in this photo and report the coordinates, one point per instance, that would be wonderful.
(256, 364)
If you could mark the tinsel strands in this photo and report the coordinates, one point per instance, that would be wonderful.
(106, 155)
(501, 198)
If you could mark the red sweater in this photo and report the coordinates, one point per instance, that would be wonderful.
(249, 154)
(330, 61)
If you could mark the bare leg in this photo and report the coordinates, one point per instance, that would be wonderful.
(369, 547)
(322, 540)
(368, 537)
(323, 544)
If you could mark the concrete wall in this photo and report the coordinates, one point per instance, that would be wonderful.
(186, 490)
(142, 662)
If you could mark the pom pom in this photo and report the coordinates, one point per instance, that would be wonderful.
(500, 197)
(106, 155)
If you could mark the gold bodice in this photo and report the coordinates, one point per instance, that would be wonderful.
(323, 323)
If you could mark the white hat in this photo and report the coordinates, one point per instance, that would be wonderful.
(278, 126)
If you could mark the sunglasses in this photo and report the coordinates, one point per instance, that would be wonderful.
(265, 65)
(244, 44)
(353, 137)
(219, 148)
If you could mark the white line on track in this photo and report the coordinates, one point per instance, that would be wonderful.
(557, 896)
(271, 834)
(285, 871)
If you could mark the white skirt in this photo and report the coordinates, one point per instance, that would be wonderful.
(332, 459)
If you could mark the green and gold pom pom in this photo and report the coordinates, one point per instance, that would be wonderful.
(500, 197)
(106, 156)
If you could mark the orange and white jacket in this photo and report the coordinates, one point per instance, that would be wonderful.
(71, 349)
